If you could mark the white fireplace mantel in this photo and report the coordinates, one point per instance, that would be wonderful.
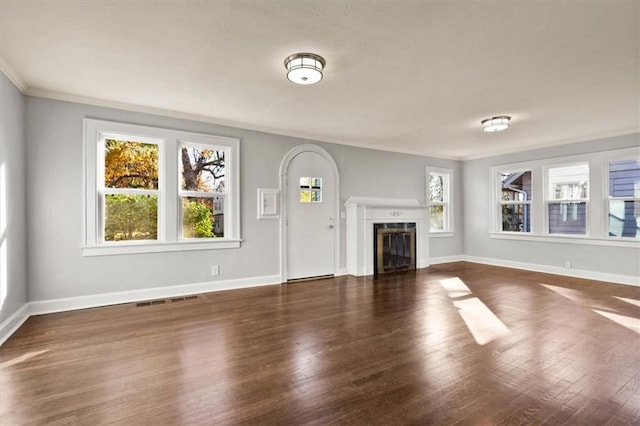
(363, 212)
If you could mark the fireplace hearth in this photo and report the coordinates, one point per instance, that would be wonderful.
(394, 247)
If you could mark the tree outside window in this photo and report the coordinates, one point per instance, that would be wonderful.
(130, 193)
(202, 191)
(151, 189)
(439, 200)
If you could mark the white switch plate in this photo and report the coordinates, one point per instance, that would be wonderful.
(215, 270)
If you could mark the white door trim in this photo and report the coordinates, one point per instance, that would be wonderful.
(284, 167)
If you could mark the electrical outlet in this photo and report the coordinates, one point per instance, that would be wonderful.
(567, 264)
(215, 270)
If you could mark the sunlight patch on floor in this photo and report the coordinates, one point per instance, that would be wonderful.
(569, 293)
(483, 324)
(455, 287)
(22, 358)
(632, 301)
(631, 323)
(576, 296)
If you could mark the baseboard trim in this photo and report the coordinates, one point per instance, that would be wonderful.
(13, 323)
(341, 272)
(556, 270)
(446, 259)
(41, 307)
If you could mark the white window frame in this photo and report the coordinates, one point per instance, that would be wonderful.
(169, 220)
(103, 191)
(197, 194)
(497, 189)
(447, 198)
(597, 227)
(608, 198)
(548, 200)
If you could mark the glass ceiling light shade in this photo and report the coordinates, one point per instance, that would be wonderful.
(496, 124)
(304, 68)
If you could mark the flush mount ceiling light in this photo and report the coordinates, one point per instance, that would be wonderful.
(495, 124)
(304, 68)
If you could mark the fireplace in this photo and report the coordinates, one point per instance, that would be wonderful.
(394, 247)
(408, 217)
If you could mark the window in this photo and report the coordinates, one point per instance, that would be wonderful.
(567, 198)
(202, 190)
(128, 188)
(310, 190)
(439, 184)
(515, 201)
(623, 200)
(586, 199)
(151, 189)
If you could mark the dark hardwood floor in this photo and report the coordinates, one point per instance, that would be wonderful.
(512, 347)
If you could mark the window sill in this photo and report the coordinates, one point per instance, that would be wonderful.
(568, 239)
(136, 248)
(440, 234)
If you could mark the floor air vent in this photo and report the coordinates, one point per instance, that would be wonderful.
(151, 302)
(162, 301)
(182, 299)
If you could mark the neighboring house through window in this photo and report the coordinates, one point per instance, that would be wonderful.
(567, 198)
(515, 201)
(623, 201)
(587, 199)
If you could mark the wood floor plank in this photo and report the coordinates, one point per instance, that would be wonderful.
(397, 349)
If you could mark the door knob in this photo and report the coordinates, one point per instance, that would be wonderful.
(330, 226)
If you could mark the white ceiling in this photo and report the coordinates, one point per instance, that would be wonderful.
(405, 76)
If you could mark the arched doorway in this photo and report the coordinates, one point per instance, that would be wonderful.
(310, 221)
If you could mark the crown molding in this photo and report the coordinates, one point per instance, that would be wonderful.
(13, 76)
(60, 96)
(557, 142)
(48, 94)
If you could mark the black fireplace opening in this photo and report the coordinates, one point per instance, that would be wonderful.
(394, 247)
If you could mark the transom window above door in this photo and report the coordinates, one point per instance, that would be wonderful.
(310, 190)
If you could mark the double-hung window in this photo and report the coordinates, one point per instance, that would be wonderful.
(515, 201)
(128, 187)
(567, 199)
(589, 198)
(202, 190)
(150, 189)
(439, 184)
(623, 198)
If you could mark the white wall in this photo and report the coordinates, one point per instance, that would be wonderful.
(57, 268)
(605, 260)
(13, 252)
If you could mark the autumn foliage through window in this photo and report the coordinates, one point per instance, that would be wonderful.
(152, 189)
(131, 190)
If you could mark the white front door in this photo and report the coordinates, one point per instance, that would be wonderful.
(310, 216)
